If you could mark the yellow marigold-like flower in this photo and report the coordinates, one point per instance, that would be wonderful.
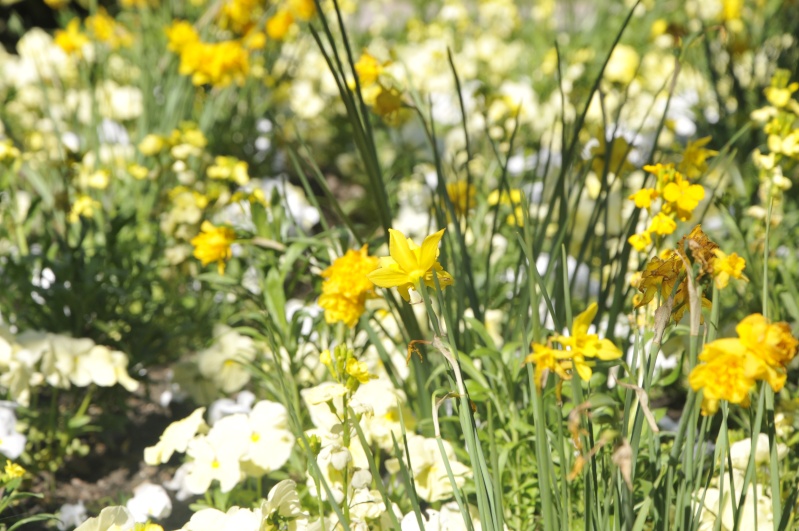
(662, 224)
(582, 345)
(694, 158)
(213, 245)
(181, 34)
(727, 266)
(71, 39)
(683, 197)
(546, 360)
(368, 69)
(13, 470)
(409, 265)
(347, 287)
(278, 26)
(358, 370)
(643, 198)
(722, 378)
(761, 351)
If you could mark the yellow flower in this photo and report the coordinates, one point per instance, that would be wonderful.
(546, 359)
(662, 224)
(13, 470)
(71, 40)
(302, 9)
(104, 28)
(229, 168)
(409, 265)
(151, 144)
(368, 69)
(726, 266)
(694, 158)
(180, 34)
(583, 345)
(346, 288)
(640, 241)
(218, 64)
(772, 343)
(213, 245)
(84, 206)
(462, 195)
(278, 26)
(514, 199)
(388, 105)
(683, 197)
(643, 198)
(724, 377)
(359, 370)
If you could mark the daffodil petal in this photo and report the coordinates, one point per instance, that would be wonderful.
(427, 256)
(584, 320)
(388, 277)
(401, 251)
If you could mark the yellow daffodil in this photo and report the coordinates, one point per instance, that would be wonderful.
(582, 345)
(546, 359)
(71, 40)
(213, 245)
(727, 266)
(410, 265)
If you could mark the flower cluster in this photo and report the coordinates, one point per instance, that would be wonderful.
(347, 286)
(667, 270)
(579, 345)
(237, 446)
(32, 359)
(218, 64)
(731, 366)
(677, 194)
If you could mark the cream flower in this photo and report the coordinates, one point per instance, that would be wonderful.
(117, 518)
(429, 470)
(223, 361)
(270, 440)
(217, 455)
(176, 438)
(281, 509)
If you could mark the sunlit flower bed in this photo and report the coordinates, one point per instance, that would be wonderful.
(475, 265)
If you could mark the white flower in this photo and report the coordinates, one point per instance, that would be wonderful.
(741, 450)
(70, 515)
(175, 438)
(384, 402)
(12, 443)
(115, 518)
(217, 456)
(270, 440)
(149, 501)
(222, 361)
(225, 406)
(429, 470)
(235, 519)
(281, 509)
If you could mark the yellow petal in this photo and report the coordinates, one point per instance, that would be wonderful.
(584, 320)
(388, 277)
(401, 252)
(427, 256)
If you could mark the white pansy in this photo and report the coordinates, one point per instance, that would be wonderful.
(281, 509)
(429, 469)
(149, 501)
(270, 440)
(175, 438)
(116, 518)
(384, 402)
(740, 452)
(217, 455)
(235, 519)
(222, 362)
